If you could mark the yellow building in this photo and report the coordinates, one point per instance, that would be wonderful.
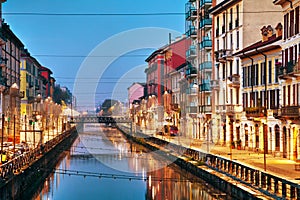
(259, 125)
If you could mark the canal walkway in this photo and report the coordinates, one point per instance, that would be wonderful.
(278, 166)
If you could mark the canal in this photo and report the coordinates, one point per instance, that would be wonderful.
(102, 164)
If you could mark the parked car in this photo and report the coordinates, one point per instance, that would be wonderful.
(173, 131)
(168, 130)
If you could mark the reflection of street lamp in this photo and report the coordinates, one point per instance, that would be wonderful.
(14, 92)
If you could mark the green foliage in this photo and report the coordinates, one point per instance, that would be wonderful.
(59, 95)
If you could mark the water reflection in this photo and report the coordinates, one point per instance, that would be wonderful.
(82, 176)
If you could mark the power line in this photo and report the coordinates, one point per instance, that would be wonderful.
(88, 56)
(119, 14)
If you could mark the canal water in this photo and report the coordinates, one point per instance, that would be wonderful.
(101, 164)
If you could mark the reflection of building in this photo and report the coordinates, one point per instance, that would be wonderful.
(234, 29)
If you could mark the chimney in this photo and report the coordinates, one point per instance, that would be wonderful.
(270, 31)
(278, 29)
(264, 33)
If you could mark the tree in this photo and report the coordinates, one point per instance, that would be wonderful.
(60, 95)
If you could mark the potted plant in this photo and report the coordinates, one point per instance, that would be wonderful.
(239, 144)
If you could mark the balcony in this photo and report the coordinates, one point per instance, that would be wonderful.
(205, 23)
(191, 52)
(290, 112)
(3, 81)
(229, 109)
(191, 109)
(191, 71)
(192, 91)
(254, 111)
(234, 80)
(205, 86)
(3, 62)
(224, 55)
(191, 12)
(205, 65)
(215, 84)
(191, 32)
(2, 38)
(205, 3)
(292, 69)
(205, 109)
(206, 43)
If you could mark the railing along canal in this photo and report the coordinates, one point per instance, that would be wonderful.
(17, 164)
(266, 183)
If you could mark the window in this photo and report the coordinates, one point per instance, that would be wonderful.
(284, 96)
(292, 21)
(286, 26)
(218, 25)
(231, 18)
(256, 75)
(237, 39)
(230, 69)
(262, 72)
(231, 41)
(297, 20)
(237, 66)
(270, 71)
(224, 70)
(237, 16)
(276, 72)
(224, 22)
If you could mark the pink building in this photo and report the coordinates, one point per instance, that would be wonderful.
(136, 91)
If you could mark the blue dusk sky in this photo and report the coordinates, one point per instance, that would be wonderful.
(102, 54)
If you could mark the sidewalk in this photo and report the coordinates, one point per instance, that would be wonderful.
(277, 166)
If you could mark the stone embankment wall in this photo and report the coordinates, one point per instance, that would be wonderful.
(21, 177)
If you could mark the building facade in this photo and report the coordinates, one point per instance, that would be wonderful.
(288, 72)
(234, 28)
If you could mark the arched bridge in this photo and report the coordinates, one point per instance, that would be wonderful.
(102, 119)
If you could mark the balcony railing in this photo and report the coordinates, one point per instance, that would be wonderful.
(192, 91)
(191, 32)
(205, 86)
(229, 109)
(206, 43)
(191, 71)
(205, 109)
(191, 52)
(234, 80)
(292, 69)
(205, 2)
(191, 109)
(223, 55)
(3, 80)
(205, 22)
(205, 65)
(255, 111)
(290, 111)
(191, 12)
(215, 84)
